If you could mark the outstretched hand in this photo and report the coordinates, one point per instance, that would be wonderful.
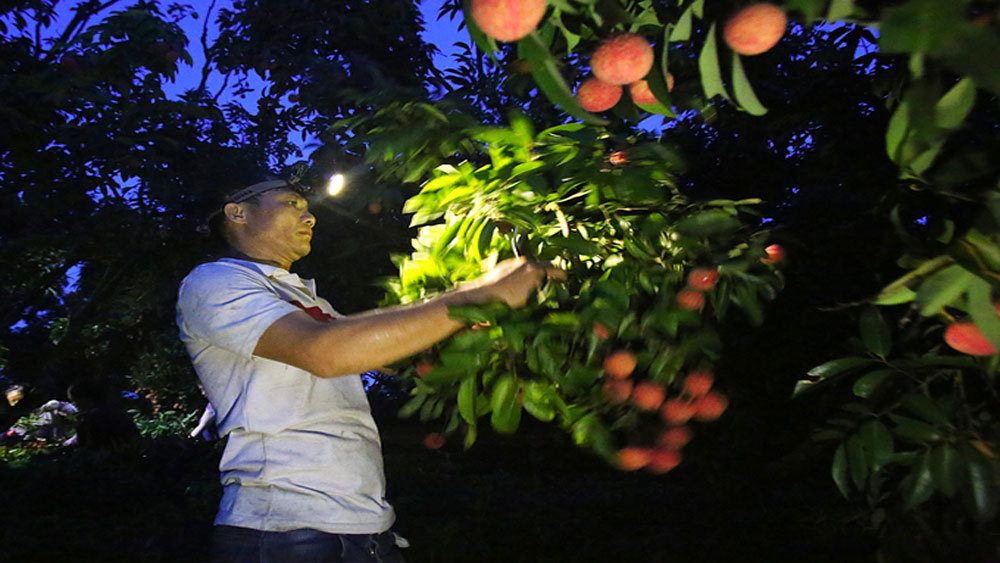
(512, 281)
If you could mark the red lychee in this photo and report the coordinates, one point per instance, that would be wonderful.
(619, 364)
(423, 368)
(601, 331)
(633, 457)
(648, 396)
(641, 94)
(616, 391)
(434, 440)
(674, 438)
(775, 254)
(507, 20)
(690, 300)
(663, 460)
(703, 279)
(595, 95)
(622, 59)
(968, 339)
(698, 383)
(711, 406)
(676, 412)
(755, 29)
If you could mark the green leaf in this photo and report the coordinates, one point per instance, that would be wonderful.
(682, 32)
(925, 407)
(804, 386)
(857, 461)
(538, 400)
(506, 413)
(952, 109)
(946, 469)
(708, 67)
(979, 485)
(920, 26)
(896, 296)
(483, 240)
(707, 223)
(588, 431)
(918, 486)
(875, 332)
(412, 406)
(838, 366)
(913, 430)
(942, 289)
(839, 9)
(467, 399)
(810, 9)
(868, 383)
(877, 442)
(576, 245)
(470, 436)
(925, 159)
(743, 91)
(982, 311)
(839, 471)
(899, 126)
(545, 70)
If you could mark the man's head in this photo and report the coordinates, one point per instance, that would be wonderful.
(268, 221)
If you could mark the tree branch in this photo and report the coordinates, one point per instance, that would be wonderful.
(205, 69)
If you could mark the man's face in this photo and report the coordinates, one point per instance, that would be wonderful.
(280, 226)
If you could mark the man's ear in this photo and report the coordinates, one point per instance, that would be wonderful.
(234, 212)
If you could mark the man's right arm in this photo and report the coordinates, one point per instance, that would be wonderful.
(366, 341)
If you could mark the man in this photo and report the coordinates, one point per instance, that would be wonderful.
(302, 469)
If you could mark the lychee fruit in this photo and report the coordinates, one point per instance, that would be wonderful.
(622, 59)
(711, 406)
(434, 440)
(690, 300)
(775, 254)
(596, 95)
(641, 94)
(507, 20)
(616, 391)
(631, 458)
(663, 460)
(648, 396)
(676, 412)
(674, 438)
(698, 383)
(423, 368)
(619, 364)
(601, 331)
(755, 28)
(702, 279)
(968, 339)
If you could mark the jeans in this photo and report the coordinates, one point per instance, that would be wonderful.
(231, 544)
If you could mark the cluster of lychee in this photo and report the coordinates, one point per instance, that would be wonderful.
(697, 401)
(626, 58)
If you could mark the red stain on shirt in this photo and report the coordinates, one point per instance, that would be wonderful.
(315, 312)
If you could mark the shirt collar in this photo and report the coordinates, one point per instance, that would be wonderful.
(278, 273)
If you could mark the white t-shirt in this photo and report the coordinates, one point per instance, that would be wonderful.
(302, 451)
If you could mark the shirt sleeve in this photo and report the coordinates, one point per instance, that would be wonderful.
(228, 306)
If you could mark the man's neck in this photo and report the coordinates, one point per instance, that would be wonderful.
(233, 253)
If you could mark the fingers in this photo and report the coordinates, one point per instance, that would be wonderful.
(548, 271)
